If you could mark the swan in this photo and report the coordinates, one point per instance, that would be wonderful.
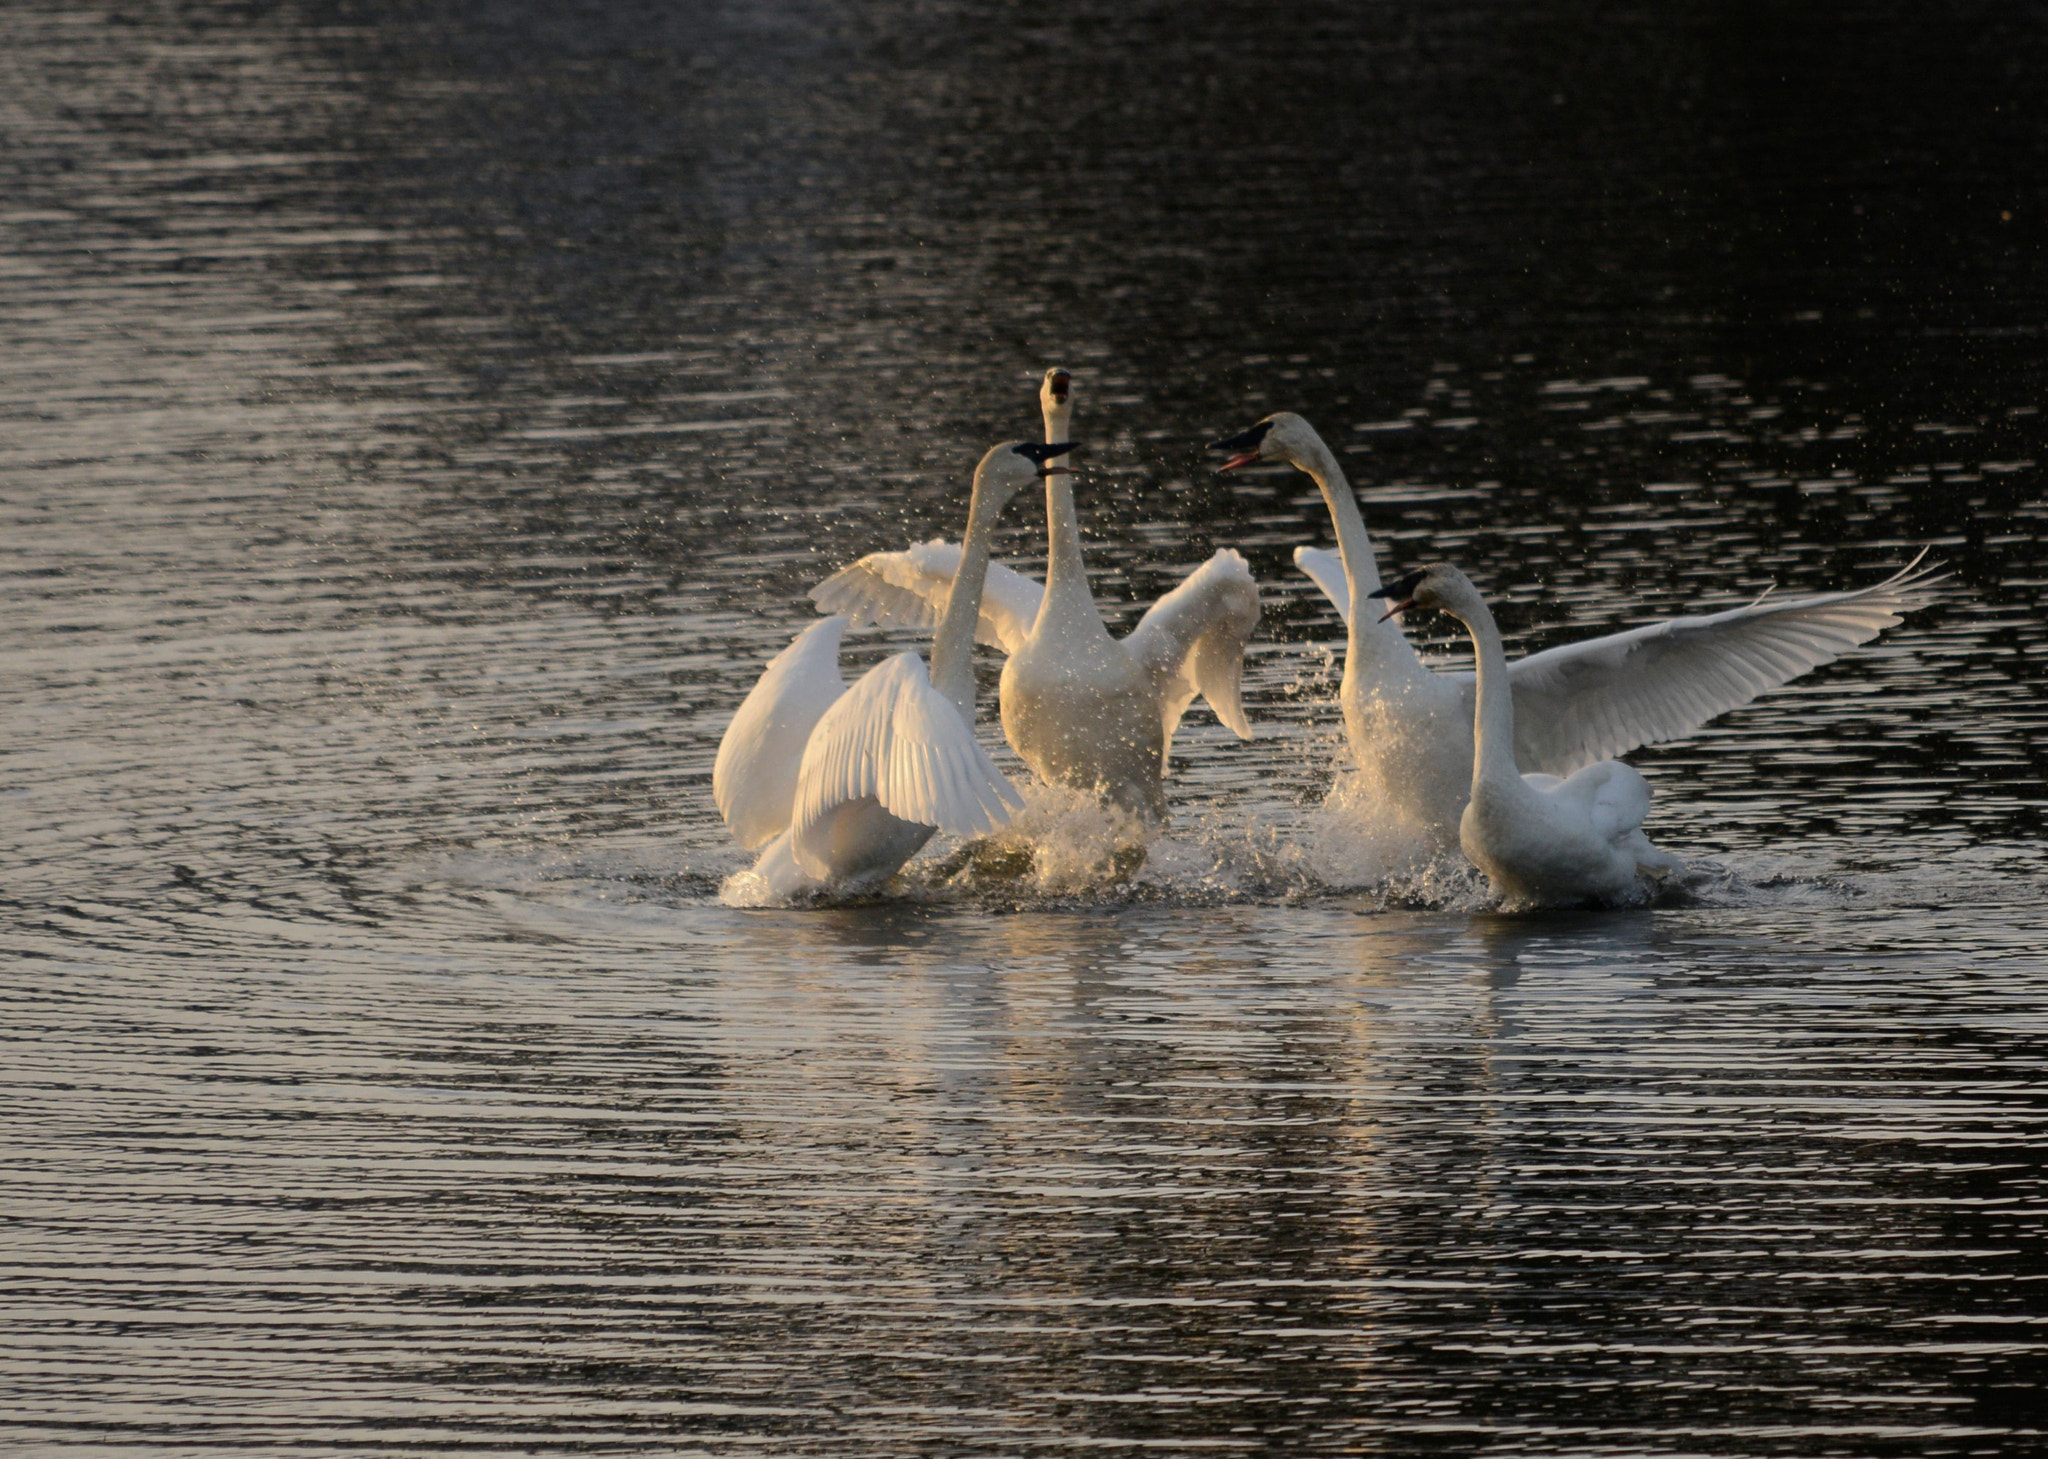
(1573, 705)
(839, 787)
(1540, 840)
(1083, 709)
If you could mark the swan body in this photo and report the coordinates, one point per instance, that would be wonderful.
(1083, 709)
(838, 787)
(1541, 840)
(1574, 705)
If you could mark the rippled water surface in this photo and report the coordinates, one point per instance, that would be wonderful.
(419, 422)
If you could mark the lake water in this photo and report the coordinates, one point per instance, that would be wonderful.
(419, 423)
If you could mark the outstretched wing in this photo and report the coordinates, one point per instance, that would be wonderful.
(908, 590)
(1584, 702)
(894, 738)
(754, 779)
(1192, 641)
(1327, 568)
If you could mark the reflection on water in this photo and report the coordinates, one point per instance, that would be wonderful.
(875, 1178)
(420, 425)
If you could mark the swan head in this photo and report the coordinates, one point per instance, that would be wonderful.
(1281, 436)
(1007, 469)
(1439, 587)
(1056, 401)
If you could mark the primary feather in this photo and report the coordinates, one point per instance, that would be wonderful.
(1589, 701)
(894, 739)
(755, 776)
(908, 589)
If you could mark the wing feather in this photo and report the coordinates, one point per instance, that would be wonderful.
(1584, 702)
(895, 739)
(1327, 568)
(908, 589)
(754, 779)
(1193, 640)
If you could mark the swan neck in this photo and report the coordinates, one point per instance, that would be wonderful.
(952, 661)
(1360, 570)
(1493, 723)
(1374, 646)
(1068, 604)
(1059, 418)
(1066, 575)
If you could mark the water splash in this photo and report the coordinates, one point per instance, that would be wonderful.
(1067, 841)
(747, 888)
(1067, 847)
(1355, 838)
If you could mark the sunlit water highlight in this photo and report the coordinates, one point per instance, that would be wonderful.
(417, 430)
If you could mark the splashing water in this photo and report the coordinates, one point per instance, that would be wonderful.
(1071, 841)
(1066, 845)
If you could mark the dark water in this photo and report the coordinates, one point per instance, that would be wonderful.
(418, 422)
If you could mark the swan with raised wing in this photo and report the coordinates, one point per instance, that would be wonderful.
(1540, 840)
(1082, 708)
(839, 787)
(1408, 725)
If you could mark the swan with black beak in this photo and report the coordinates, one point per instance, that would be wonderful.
(1082, 708)
(1541, 841)
(1409, 726)
(839, 787)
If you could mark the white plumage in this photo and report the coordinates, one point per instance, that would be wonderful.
(754, 779)
(908, 589)
(1575, 704)
(1082, 708)
(1540, 840)
(839, 787)
(1581, 702)
(894, 740)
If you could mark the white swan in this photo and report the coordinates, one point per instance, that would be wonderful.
(840, 787)
(1540, 840)
(1082, 708)
(1575, 704)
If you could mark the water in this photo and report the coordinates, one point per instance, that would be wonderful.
(418, 426)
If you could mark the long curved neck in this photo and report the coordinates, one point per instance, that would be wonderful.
(1371, 640)
(1493, 722)
(952, 662)
(1068, 605)
(1360, 570)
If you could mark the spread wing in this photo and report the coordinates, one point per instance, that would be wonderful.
(1584, 702)
(754, 779)
(1192, 641)
(896, 739)
(908, 590)
(1327, 568)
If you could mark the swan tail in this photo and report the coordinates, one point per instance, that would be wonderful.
(1612, 795)
(1651, 861)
